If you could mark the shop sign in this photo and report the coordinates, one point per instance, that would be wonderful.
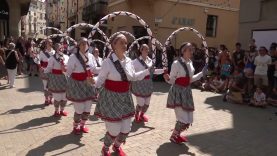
(183, 21)
(3, 12)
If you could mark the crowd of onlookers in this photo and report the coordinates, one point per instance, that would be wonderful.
(243, 76)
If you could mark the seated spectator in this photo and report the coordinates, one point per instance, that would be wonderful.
(272, 99)
(236, 89)
(218, 84)
(259, 99)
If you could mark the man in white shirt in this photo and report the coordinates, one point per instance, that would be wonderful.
(261, 61)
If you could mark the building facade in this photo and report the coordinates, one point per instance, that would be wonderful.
(11, 12)
(57, 14)
(258, 20)
(75, 11)
(94, 10)
(217, 20)
(35, 20)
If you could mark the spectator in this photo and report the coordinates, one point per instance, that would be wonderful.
(259, 99)
(27, 56)
(249, 71)
(238, 57)
(226, 69)
(262, 61)
(3, 70)
(32, 54)
(236, 88)
(218, 84)
(11, 63)
(272, 67)
(223, 56)
(21, 50)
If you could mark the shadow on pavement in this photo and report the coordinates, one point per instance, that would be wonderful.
(93, 118)
(160, 87)
(27, 108)
(252, 127)
(137, 126)
(172, 149)
(33, 124)
(32, 84)
(57, 143)
(38, 122)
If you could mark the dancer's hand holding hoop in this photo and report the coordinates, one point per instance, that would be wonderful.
(205, 70)
(166, 77)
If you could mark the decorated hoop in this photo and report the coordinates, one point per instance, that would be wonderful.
(168, 41)
(59, 35)
(48, 28)
(100, 41)
(108, 44)
(154, 48)
(86, 25)
(123, 13)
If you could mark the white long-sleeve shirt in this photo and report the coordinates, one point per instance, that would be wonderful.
(100, 61)
(178, 71)
(139, 67)
(54, 64)
(43, 57)
(108, 71)
(74, 65)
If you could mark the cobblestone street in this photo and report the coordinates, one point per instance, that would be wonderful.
(28, 128)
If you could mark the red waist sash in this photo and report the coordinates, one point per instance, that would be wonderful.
(183, 81)
(57, 71)
(147, 77)
(117, 86)
(43, 64)
(81, 76)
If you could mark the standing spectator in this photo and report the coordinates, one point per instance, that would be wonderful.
(33, 68)
(20, 47)
(27, 57)
(198, 62)
(238, 57)
(249, 70)
(262, 61)
(3, 70)
(11, 63)
(271, 67)
(223, 55)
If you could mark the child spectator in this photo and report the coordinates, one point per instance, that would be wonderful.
(259, 99)
(226, 69)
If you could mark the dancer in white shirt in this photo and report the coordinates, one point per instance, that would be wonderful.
(180, 94)
(80, 88)
(57, 82)
(143, 89)
(115, 104)
(44, 57)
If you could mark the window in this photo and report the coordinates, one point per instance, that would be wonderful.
(41, 16)
(211, 26)
(139, 31)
